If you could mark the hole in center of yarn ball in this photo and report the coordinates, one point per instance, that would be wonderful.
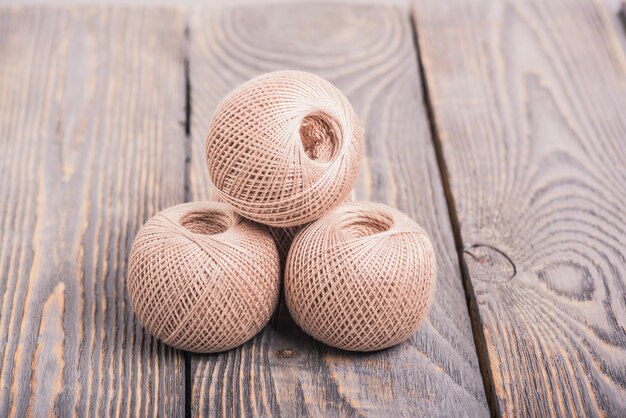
(321, 136)
(206, 222)
(359, 225)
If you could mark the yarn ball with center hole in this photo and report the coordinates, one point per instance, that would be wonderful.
(201, 278)
(284, 148)
(361, 278)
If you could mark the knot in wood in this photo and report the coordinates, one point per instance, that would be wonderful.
(286, 353)
(488, 264)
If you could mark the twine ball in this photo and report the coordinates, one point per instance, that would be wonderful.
(284, 148)
(360, 278)
(202, 278)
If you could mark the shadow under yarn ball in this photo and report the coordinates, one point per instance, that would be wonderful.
(202, 278)
(284, 148)
(361, 278)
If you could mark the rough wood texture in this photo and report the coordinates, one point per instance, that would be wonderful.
(528, 100)
(90, 104)
(369, 54)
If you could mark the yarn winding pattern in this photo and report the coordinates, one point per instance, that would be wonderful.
(361, 277)
(284, 148)
(203, 279)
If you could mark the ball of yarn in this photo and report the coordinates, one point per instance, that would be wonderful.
(361, 277)
(202, 278)
(284, 148)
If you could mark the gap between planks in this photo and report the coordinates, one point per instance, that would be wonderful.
(472, 306)
(187, 182)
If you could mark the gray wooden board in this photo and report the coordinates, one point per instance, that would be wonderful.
(528, 100)
(90, 147)
(368, 52)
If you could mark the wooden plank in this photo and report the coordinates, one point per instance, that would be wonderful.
(528, 100)
(91, 146)
(368, 53)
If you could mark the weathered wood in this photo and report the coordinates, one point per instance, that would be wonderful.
(91, 145)
(528, 100)
(368, 53)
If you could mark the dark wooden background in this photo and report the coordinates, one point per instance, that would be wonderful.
(498, 125)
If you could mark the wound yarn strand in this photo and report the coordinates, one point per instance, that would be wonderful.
(284, 148)
(202, 278)
(360, 278)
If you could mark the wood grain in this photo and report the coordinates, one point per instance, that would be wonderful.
(528, 100)
(368, 53)
(615, 11)
(91, 146)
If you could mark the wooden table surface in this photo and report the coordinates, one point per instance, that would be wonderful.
(499, 125)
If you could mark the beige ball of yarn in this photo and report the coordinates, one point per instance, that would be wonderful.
(202, 278)
(361, 277)
(284, 148)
